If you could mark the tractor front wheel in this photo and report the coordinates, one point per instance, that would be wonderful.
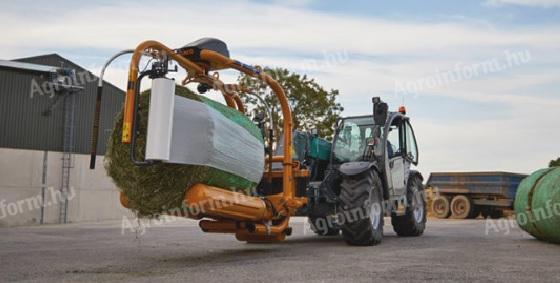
(361, 209)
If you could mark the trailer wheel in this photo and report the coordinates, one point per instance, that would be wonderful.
(440, 207)
(362, 209)
(413, 223)
(461, 207)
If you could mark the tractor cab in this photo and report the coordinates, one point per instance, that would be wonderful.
(390, 146)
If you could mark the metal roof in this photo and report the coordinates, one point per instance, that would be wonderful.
(27, 66)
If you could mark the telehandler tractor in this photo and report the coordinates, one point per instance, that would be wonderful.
(367, 175)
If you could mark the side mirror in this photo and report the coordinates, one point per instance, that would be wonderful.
(380, 111)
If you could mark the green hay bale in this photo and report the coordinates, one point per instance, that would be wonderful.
(156, 189)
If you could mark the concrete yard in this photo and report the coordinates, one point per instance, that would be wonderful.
(178, 251)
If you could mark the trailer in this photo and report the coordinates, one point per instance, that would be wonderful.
(463, 195)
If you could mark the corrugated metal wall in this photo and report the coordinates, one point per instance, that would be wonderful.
(22, 124)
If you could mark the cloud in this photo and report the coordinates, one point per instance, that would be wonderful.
(294, 3)
(534, 3)
(250, 25)
(377, 52)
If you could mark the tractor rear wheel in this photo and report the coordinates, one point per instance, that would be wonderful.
(362, 209)
(440, 207)
(461, 207)
(413, 222)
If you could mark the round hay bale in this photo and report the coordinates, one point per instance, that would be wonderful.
(160, 188)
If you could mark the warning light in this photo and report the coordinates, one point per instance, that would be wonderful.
(402, 110)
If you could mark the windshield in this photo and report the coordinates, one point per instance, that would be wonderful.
(351, 139)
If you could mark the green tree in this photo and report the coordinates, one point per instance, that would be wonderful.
(554, 163)
(312, 106)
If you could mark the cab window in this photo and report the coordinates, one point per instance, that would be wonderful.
(395, 139)
(411, 146)
(351, 139)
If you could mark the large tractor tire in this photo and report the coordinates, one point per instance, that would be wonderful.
(461, 207)
(362, 209)
(413, 222)
(441, 207)
(321, 227)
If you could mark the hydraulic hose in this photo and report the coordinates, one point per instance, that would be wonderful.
(97, 111)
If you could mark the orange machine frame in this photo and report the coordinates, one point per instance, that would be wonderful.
(250, 218)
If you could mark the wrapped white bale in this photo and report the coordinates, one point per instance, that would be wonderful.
(186, 131)
(202, 141)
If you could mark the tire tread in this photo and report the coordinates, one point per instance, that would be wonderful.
(355, 193)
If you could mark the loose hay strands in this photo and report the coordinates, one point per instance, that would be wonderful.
(160, 188)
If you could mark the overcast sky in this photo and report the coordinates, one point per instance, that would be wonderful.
(480, 79)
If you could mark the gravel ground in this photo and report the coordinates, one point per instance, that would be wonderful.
(178, 251)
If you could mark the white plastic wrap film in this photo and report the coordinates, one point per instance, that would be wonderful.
(235, 149)
(160, 119)
(203, 136)
(191, 140)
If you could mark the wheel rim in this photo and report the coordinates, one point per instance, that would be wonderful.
(439, 206)
(375, 215)
(460, 207)
(418, 206)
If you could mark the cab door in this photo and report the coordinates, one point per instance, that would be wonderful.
(396, 165)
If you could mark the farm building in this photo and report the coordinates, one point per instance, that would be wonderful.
(46, 113)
